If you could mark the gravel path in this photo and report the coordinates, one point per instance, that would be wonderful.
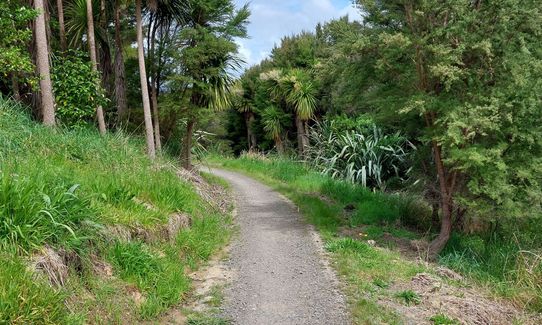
(280, 273)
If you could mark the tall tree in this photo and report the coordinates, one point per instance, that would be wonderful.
(467, 74)
(92, 49)
(164, 17)
(149, 136)
(208, 56)
(42, 62)
(295, 89)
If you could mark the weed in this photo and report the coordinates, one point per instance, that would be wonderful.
(442, 319)
(381, 283)
(207, 320)
(409, 297)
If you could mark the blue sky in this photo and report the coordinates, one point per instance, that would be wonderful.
(272, 19)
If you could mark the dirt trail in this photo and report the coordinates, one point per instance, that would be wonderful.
(280, 275)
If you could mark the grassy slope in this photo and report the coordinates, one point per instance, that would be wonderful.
(366, 270)
(76, 193)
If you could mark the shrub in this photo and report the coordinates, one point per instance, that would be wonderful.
(370, 158)
(77, 89)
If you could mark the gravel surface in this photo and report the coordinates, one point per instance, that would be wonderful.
(281, 275)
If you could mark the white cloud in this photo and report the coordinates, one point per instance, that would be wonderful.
(273, 19)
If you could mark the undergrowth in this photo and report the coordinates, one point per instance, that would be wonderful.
(66, 190)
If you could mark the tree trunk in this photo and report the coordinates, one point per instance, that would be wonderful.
(62, 26)
(144, 87)
(15, 87)
(301, 145)
(120, 74)
(156, 114)
(251, 137)
(186, 151)
(279, 145)
(42, 61)
(92, 49)
(154, 90)
(305, 135)
(446, 204)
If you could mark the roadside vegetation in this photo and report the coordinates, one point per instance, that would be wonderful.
(417, 126)
(92, 231)
(380, 253)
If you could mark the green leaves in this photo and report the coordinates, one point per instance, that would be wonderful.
(14, 35)
(364, 155)
(75, 88)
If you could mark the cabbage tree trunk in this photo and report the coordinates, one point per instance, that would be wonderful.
(302, 139)
(186, 150)
(61, 25)
(42, 62)
(144, 87)
(92, 49)
(251, 136)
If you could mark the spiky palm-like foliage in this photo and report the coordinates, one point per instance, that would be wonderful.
(366, 156)
(274, 123)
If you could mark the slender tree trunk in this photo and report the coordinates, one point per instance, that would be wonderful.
(15, 87)
(42, 61)
(106, 62)
(280, 146)
(301, 136)
(251, 137)
(144, 87)
(305, 135)
(186, 152)
(92, 49)
(156, 114)
(62, 26)
(446, 204)
(120, 74)
(154, 89)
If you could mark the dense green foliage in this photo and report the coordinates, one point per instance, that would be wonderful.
(459, 80)
(78, 194)
(75, 89)
(14, 33)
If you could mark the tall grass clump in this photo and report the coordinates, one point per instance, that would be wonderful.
(25, 299)
(500, 262)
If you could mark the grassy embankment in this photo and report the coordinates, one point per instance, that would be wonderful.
(90, 230)
(348, 216)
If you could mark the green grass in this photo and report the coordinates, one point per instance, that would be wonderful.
(409, 297)
(25, 300)
(64, 189)
(442, 319)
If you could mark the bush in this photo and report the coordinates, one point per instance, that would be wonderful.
(365, 156)
(77, 89)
